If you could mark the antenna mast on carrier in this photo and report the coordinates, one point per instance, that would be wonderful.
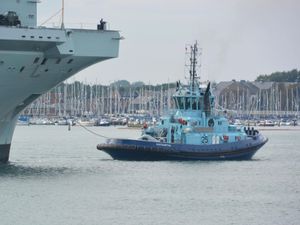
(62, 14)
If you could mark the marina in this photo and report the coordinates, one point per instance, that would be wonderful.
(122, 102)
(242, 100)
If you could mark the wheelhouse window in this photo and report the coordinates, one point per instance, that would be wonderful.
(194, 104)
(200, 103)
(187, 103)
(176, 103)
(179, 102)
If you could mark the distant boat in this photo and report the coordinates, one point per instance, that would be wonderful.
(65, 122)
(102, 123)
(135, 124)
(23, 121)
(61, 122)
(266, 123)
(41, 121)
(86, 122)
(192, 132)
(118, 121)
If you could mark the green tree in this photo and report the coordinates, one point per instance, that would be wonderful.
(289, 76)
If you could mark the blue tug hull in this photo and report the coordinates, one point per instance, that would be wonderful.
(139, 150)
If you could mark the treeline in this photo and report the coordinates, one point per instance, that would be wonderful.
(289, 76)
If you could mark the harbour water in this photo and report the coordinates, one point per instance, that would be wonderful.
(56, 176)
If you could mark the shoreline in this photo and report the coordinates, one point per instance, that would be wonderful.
(277, 128)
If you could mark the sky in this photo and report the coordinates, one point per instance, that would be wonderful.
(240, 39)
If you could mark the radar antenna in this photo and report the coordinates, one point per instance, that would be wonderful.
(193, 54)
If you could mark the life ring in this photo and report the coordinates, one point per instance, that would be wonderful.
(211, 123)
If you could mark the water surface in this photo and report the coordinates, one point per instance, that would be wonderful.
(57, 176)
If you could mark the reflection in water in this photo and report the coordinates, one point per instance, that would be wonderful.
(14, 170)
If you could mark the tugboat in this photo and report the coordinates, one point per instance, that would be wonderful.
(193, 131)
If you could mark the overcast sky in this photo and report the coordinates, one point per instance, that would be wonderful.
(240, 39)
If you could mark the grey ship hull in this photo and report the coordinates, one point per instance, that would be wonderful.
(4, 152)
(32, 61)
